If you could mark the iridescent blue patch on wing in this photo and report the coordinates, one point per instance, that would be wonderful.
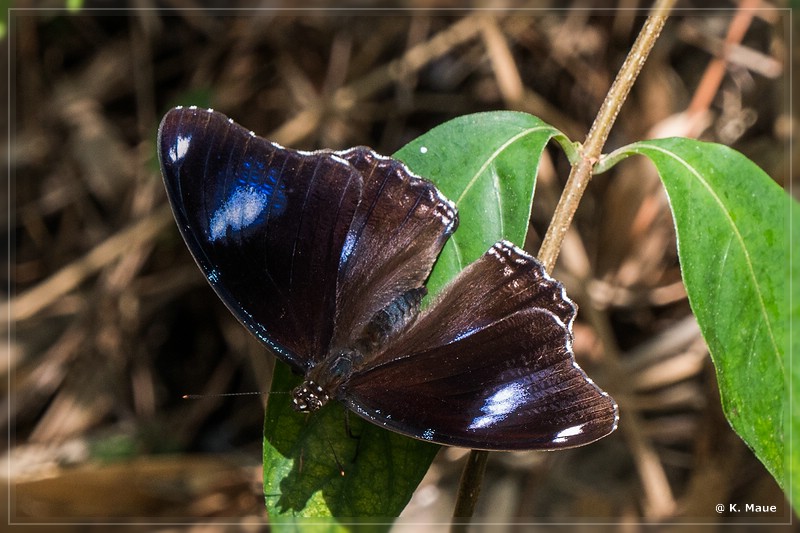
(257, 194)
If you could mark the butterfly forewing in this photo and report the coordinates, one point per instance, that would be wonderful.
(398, 230)
(265, 224)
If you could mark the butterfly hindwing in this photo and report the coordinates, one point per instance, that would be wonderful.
(489, 366)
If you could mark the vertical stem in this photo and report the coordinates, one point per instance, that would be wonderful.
(468, 490)
(581, 174)
(578, 180)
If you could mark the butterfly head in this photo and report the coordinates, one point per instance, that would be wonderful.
(309, 397)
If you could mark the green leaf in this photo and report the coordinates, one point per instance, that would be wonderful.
(487, 164)
(733, 225)
(313, 468)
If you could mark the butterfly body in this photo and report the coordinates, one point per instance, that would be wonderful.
(324, 257)
(325, 380)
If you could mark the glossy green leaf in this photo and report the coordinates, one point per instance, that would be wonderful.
(487, 164)
(733, 225)
(313, 468)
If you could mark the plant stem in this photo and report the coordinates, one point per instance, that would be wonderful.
(578, 180)
(581, 174)
(468, 490)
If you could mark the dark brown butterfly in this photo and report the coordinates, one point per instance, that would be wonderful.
(324, 257)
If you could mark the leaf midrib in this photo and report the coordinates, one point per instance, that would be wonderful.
(482, 169)
(737, 234)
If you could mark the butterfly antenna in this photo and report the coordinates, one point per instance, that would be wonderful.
(199, 396)
(336, 458)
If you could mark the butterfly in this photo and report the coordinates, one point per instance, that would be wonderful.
(324, 255)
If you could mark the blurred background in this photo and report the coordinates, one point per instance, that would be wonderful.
(111, 322)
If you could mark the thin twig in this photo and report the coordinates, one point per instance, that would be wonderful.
(708, 87)
(568, 204)
(361, 89)
(581, 173)
(65, 280)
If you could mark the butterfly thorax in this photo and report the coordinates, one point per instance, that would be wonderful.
(325, 379)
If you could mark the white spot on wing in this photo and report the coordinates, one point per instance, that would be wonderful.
(564, 434)
(178, 150)
(499, 405)
(240, 210)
